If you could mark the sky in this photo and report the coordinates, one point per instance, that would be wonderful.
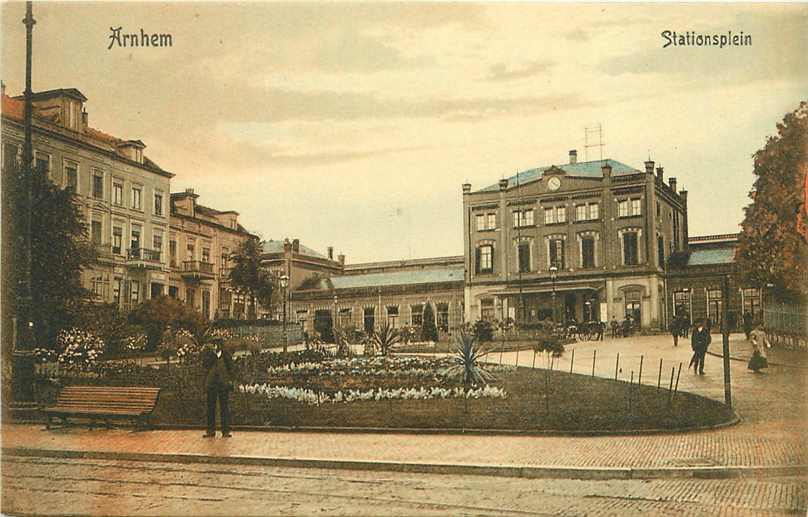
(355, 125)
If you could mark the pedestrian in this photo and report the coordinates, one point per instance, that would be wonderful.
(686, 325)
(599, 328)
(699, 343)
(747, 324)
(627, 326)
(760, 342)
(218, 364)
(615, 327)
(675, 329)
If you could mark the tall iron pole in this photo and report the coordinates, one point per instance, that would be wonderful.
(22, 355)
(725, 339)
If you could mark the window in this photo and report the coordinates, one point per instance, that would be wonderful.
(95, 232)
(622, 208)
(98, 185)
(346, 317)
(442, 316)
(172, 252)
(158, 203)
(116, 291)
(594, 211)
(480, 222)
(117, 194)
(658, 210)
(392, 316)
(190, 296)
(157, 241)
(225, 256)
(635, 207)
(137, 198)
(117, 239)
(561, 214)
(72, 173)
(134, 291)
(10, 157)
(487, 309)
(681, 304)
(485, 259)
(173, 292)
(100, 286)
(369, 319)
(206, 255)
(135, 241)
(549, 216)
(492, 221)
(580, 213)
(587, 252)
(190, 250)
(417, 311)
(523, 218)
(524, 257)
(630, 250)
(751, 302)
(661, 251)
(557, 253)
(42, 164)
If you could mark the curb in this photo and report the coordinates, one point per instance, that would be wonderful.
(533, 472)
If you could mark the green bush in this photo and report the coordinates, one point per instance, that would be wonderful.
(158, 314)
(483, 331)
(429, 330)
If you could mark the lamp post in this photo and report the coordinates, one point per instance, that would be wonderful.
(553, 276)
(284, 283)
(334, 321)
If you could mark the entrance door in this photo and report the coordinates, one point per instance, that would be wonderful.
(156, 290)
(633, 304)
(369, 316)
(569, 308)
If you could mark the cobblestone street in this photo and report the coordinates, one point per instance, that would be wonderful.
(94, 487)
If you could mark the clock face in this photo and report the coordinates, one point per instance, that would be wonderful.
(554, 183)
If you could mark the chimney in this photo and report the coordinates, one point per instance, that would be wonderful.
(649, 167)
(466, 188)
(659, 174)
(189, 191)
(296, 245)
(503, 184)
(3, 87)
(287, 246)
(672, 183)
(607, 170)
(84, 120)
(573, 156)
(341, 259)
(683, 195)
(331, 253)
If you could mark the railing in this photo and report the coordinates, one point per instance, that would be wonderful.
(788, 319)
(103, 250)
(197, 266)
(144, 254)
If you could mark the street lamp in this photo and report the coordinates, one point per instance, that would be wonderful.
(334, 322)
(553, 276)
(284, 283)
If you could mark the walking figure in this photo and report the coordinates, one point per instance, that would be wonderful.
(218, 382)
(676, 329)
(760, 342)
(747, 324)
(699, 343)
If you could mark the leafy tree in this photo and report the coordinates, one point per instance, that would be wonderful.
(59, 252)
(157, 315)
(249, 276)
(429, 330)
(771, 248)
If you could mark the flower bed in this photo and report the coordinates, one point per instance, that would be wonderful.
(308, 396)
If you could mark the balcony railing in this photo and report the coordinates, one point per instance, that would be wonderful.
(144, 254)
(197, 268)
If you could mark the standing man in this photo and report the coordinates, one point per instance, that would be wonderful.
(747, 324)
(700, 341)
(675, 330)
(218, 382)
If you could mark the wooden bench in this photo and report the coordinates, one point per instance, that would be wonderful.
(104, 403)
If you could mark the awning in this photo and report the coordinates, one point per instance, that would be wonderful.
(559, 288)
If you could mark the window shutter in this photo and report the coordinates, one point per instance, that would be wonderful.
(493, 258)
(477, 261)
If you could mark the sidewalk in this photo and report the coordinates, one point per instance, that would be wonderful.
(741, 350)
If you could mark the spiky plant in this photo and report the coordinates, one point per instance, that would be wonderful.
(468, 354)
(385, 338)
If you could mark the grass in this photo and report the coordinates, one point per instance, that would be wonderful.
(575, 403)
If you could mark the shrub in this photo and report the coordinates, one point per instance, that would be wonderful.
(159, 314)
(385, 338)
(429, 330)
(79, 348)
(483, 331)
(467, 354)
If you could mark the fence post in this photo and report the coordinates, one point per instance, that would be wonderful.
(670, 388)
(639, 377)
(677, 383)
(630, 386)
(659, 379)
(572, 360)
(616, 365)
(594, 356)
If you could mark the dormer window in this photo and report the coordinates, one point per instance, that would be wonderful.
(132, 149)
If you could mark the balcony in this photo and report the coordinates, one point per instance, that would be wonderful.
(224, 275)
(103, 252)
(143, 258)
(197, 270)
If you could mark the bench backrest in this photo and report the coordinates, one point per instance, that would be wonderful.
(119, 398)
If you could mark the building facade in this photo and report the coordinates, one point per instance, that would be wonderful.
(123, 195)
(584, 241)
(201, 242)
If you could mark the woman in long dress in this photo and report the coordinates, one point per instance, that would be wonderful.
(760, 342)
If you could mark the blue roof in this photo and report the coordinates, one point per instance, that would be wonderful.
(271, 246)
(422, 276)
(581, 169)
(707, 257)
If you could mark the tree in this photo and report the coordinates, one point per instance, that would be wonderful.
(772, 249)
(59, 252)
(159, 314)
(249, 276)
(429, 331)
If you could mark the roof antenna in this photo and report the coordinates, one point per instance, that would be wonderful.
(589, 138)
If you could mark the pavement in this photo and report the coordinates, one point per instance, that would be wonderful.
(770, 440)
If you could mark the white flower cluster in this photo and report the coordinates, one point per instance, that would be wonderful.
(79, 347)
(135, 343)
(187, 351)
(307, 396)
(44, 355)
(372, 367)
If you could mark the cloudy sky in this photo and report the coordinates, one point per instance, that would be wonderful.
(354, 125)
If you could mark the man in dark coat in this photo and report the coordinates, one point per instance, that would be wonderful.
(676, 329)
(700, 340)
(219, 379)
(748, 323)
